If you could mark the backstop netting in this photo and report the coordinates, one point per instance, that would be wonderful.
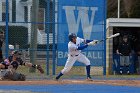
(39, 30)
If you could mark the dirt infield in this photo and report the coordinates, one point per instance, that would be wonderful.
(52, 82)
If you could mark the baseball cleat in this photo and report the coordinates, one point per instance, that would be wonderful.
(89, 79)
(56, 78)
(40, 69)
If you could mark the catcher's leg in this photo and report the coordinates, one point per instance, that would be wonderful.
(2, 65)
(18, 77)
(7, 75)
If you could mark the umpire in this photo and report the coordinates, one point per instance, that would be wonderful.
(124, 50)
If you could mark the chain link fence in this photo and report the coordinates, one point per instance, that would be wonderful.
(31, 26)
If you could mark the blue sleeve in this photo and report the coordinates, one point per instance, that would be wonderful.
(82, 47)
(87, 41)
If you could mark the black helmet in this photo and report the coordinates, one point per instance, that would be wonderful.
(71, 36)
(16, 52)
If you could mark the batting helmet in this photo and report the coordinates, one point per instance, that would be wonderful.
(71, 36)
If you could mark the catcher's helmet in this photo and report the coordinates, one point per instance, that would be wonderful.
(71, 36)
(16, 52)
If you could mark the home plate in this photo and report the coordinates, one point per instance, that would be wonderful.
(77, 81)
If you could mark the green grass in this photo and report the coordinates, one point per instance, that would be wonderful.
(75, 72)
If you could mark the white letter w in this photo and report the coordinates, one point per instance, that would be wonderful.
(86, 22)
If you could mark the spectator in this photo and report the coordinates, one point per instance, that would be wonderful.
(138, 55)
(124, 50)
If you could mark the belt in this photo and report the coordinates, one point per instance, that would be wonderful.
(74, 55)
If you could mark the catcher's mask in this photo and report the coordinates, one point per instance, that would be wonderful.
(71, 36)
(16, 53)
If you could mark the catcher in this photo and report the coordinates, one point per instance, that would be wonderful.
(11, 64)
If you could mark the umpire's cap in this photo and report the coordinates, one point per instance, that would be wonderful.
(71, 36)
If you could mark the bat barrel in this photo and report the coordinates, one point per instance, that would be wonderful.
(115, 35)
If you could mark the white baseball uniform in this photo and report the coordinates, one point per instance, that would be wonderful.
(75, 55)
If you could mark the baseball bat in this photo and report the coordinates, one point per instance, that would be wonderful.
(109, 37)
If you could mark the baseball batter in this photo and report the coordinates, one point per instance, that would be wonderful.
(74, 54)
